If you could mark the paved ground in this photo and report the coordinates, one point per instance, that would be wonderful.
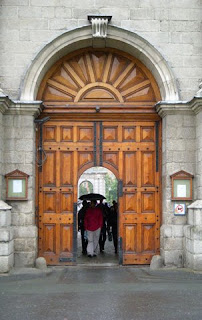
(108, 257)
(101, 293)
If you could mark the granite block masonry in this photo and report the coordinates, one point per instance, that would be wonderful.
(6, 238)
(193, 237)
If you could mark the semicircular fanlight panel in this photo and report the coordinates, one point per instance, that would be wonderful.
(98, 75)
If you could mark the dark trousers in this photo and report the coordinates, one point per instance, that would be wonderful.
(103, 237)
(115, 237)
(84, 241)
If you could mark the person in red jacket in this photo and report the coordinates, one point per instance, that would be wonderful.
(93, 222)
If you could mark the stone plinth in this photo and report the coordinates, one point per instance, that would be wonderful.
(6, 238)
(193, 237)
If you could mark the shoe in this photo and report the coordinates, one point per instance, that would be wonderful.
(89, 255)
(95, 255)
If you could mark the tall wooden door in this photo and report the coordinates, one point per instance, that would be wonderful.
(132, 148)
(67, 147)
(130, 151)
(102, 108)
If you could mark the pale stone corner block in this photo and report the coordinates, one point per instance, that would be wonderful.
(174, 257)
(20, 245)
(197, 246)
(197, 262)
(6, 234)
(6, 263)
(178, 231)
(173, 244)
(25, 259)
(25, 232)
(5, 218)
(6, 248)
(166, 231)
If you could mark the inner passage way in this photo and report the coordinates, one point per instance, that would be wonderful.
(102, 181)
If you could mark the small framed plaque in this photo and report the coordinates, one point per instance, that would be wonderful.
(16, 185)
(181, 185)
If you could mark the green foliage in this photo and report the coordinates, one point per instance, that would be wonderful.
(111, 185)
(85, 187)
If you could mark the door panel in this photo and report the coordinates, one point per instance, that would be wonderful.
(139, 204)
(130, 168)
(68, 149)
(126, 148)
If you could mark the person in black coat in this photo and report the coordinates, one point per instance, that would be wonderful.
(112, 222)
(103, 235)
(81, 215)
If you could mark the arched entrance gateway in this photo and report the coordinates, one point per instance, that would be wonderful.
(101, 108)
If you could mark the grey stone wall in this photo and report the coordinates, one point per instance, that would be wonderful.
(6, 239)
(199, 154)
(173, 27)
(1, 149)
(19, 153)
(193, 237)
(178, 153)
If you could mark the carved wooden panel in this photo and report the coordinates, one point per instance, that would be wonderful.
(148, 169)
(66, 202)
(102, 93)
(111, 157)
(148, 202)
(85, 158)
(147, 134)
(49, 239)
(99, 75)
(110, 133)
(130, 202)
(66, 162)
(85, 134)
(49, 202)
(129, 134)
(130, 168)
(148, 238)
(49, 169)
(66, 233)
(66, 133)
(130, 239)
(50, 133)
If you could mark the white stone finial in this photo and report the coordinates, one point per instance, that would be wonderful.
(99, 25)
(4, 205)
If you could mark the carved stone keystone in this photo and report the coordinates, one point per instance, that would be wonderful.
(99, 25)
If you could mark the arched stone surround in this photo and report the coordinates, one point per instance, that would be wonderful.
(117, 38)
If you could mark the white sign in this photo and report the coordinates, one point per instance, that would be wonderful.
(181, 191)
(179, 208)
(17, 186)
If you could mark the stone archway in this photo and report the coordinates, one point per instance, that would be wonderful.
(101, 104)
(117, 38)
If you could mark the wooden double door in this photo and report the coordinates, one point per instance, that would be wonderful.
(130, 149)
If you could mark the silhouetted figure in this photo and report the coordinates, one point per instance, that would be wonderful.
(112, 222)
(81, 215)
(103, 235)
(93, 221)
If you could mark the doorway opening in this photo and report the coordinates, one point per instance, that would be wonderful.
(101, 181)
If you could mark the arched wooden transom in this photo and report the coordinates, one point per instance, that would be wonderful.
(98, 75)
